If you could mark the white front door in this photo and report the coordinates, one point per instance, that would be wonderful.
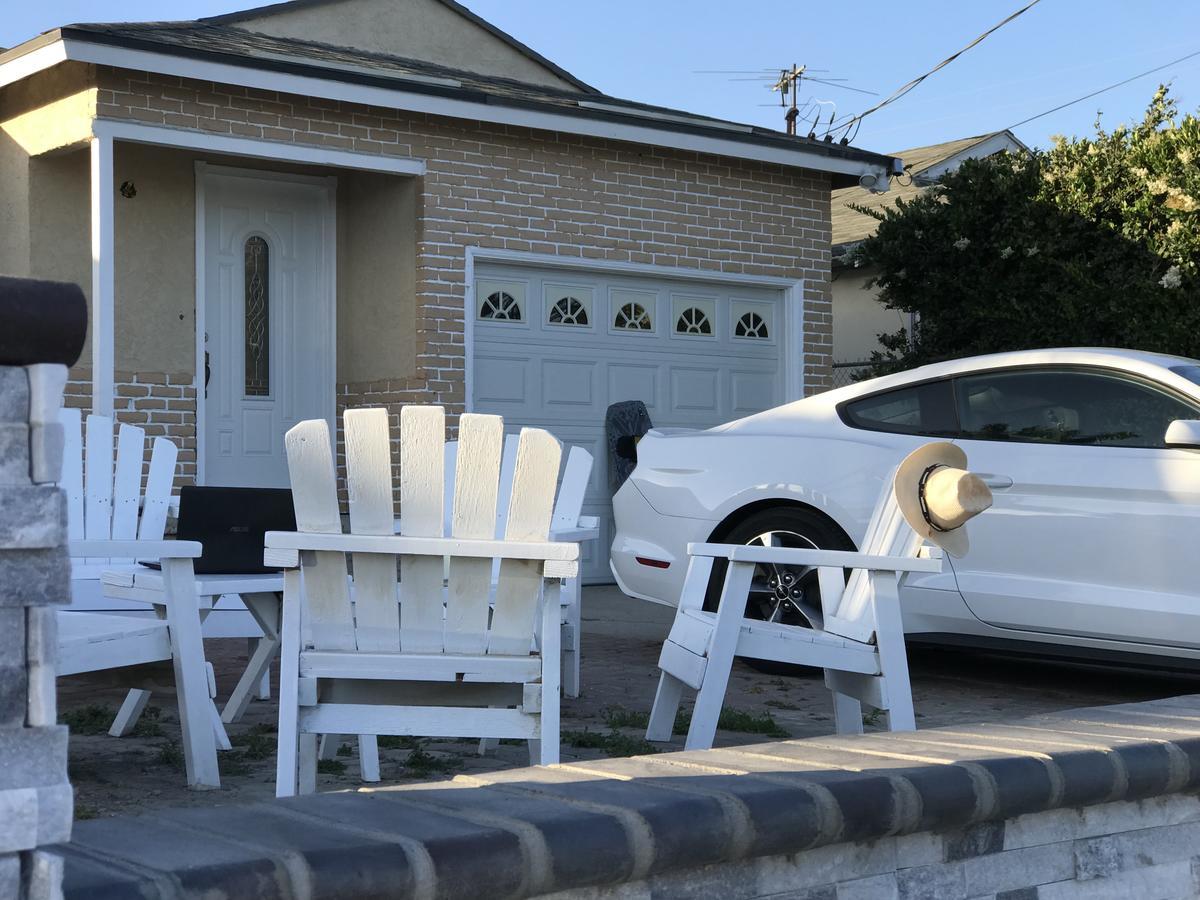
(267, 249)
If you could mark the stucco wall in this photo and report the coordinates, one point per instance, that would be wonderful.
(376, 264)
(858, 318)
(416, 29)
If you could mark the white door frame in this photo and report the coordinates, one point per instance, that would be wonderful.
(329, 225)
(791, 347)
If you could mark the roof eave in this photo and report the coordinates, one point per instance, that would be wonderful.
(845, 165)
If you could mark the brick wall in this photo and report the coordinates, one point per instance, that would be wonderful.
(514, 188)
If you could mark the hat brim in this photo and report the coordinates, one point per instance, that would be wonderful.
(908, 486)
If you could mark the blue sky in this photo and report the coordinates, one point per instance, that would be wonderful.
(649, 50)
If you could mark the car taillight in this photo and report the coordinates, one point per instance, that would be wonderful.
(653, 563)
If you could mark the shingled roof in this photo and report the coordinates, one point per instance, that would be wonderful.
(221, 42)
(923, 165)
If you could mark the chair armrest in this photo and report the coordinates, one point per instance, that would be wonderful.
(788, 556)
(279, 542)
(135, 549)
(579, 533)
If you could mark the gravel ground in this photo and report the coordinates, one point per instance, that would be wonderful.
(621, 639)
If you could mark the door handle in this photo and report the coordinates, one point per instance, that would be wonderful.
(995, 482)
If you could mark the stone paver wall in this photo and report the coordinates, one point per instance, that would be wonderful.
(35, 796)
(1087, 803)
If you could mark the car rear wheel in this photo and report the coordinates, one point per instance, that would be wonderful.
(787, 594)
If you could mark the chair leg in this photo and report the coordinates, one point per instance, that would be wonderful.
(572, 616)
(191, 681)
(535, 753)
(129, 713)
(847, 714)
(666, 706)
(307, 767)
(488, 745)
(548, 718)
(329, 746)
(288, 750)
(721, 651)
(368, 757)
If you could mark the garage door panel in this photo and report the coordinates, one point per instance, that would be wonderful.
(501, 379)
(567, 386)
(634, 381)
(543, 373)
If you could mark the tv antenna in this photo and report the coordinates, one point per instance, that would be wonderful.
(787, 83)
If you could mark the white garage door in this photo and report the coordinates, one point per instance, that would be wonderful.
(553, 348)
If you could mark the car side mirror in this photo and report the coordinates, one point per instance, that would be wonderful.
(1184, 433)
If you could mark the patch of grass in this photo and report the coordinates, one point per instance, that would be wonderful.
(331, 767)
(612, 743)
(397, 742)
(83, 812)
(92, 719)
(620, 717)
(737, 720)
(421, 764)
(233, 763)
(170, 754)
(780, 704)
(150, 723)
(344, 750)
(258, 741)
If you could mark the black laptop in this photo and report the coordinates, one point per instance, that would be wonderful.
(230, 523)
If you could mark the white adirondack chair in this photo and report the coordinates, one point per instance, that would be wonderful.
(111, 524)
(427, 659)
(859, 643)
(567, 524)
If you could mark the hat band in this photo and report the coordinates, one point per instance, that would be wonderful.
(921, 498)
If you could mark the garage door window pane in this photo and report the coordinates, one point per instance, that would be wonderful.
(500, 306)
(751, 325)
(1067, 407)
(693, 320)
(568, 311)
(633, 317)
(921, 409)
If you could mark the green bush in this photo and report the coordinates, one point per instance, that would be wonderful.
(1094, 242)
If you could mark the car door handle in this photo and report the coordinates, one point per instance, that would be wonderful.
(995, 482)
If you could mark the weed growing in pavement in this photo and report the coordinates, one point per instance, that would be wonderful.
(91, 719)
(258, 741)
(737, 720)
(620, 717)
(397, 742)
(170, 754)
(331, 767)
(344, 750)
(83, 812)
(612, 743)
(421, 764)
(150, 723)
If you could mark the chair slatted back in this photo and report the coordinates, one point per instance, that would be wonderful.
(441, 610)
(571, 490)
(105, 499)
(888, 534)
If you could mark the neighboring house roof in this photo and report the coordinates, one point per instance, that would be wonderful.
(257, 12)
(924, 165)
(211, 50)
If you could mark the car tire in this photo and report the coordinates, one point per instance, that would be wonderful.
(787, 594)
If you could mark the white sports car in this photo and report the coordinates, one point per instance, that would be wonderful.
(1093, 457)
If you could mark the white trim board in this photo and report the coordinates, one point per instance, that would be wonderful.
(792, 307)
(255, 148)
(329, 223)
(400, 99)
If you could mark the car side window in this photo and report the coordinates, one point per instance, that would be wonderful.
(921, 409)
(1067, 407)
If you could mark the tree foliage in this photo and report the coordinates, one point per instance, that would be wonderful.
(1094, 242)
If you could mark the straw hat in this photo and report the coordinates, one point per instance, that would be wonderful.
(937, 495)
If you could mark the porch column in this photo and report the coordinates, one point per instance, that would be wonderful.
(103, 280)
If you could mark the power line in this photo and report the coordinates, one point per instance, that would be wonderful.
(900, 92)
(1103, 89)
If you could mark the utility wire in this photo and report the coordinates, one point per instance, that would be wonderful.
(900, 92)
(1103, 89)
